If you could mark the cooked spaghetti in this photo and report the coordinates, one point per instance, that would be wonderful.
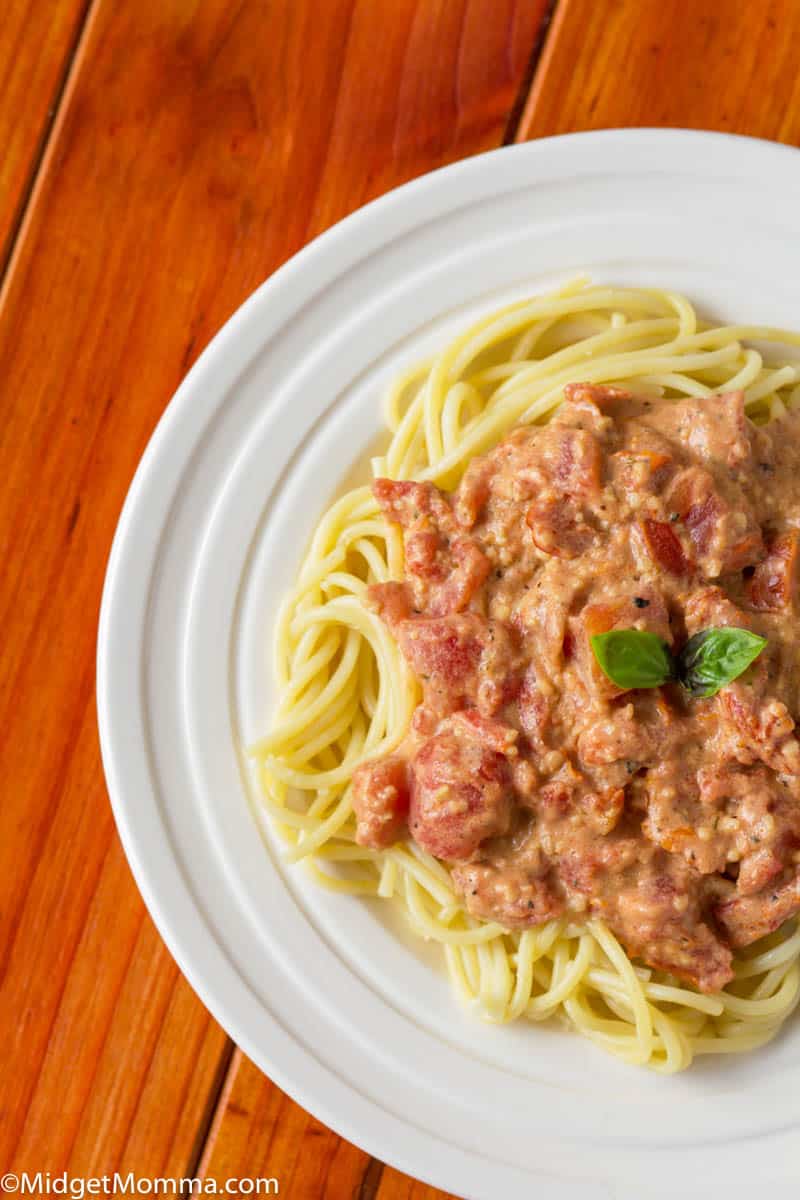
(348, 695)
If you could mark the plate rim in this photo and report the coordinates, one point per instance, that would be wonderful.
(213, 994)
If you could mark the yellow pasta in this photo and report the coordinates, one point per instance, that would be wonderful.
(346, 693)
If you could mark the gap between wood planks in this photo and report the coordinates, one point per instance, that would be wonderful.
(46, 147)
(215, 1108)
(47, 139)
(518, 108)
(218, 1099)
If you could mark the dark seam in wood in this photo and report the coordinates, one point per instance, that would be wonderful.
(370, 1181)
(210, 1101)
(187, 354)
(73, 517)
(7, 250)
(523, 91)
(216, 1104)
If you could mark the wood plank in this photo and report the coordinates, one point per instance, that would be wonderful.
(37, 40)
(261, 1133)
(190, 157)
(705, 64)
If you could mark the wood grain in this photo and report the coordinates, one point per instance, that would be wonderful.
(198, 145)
(704, 64)
(190, 157)
(37, 40)
(625, 63)
(260, 1133)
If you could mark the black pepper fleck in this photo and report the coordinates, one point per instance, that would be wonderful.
(640, 602)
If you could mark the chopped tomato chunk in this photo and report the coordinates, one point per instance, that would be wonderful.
(465, 573)
(445, 568)
(725, 538)
(565, 478)
(774, 582)
(558, 527)
(663, 546)
(380, 800)
(716, 428)
(460, 796)
(764, 727)
(473, 491)
(462, 658)
(391, 601)
(758, 870)
(406, 503)
(494, 734)
(576, 463)
(745, 919)
(640, 471)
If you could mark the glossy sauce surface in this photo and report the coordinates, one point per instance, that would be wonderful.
(548, 788)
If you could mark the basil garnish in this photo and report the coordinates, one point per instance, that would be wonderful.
(715, 657)
(634, 658)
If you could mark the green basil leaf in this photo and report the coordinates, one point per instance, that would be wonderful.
(715, 657)
(633, 658)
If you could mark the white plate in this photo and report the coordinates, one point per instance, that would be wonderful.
(352, 1019)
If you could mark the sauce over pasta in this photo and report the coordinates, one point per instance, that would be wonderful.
(546, 786)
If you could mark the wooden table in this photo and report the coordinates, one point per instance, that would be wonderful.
(159, 159)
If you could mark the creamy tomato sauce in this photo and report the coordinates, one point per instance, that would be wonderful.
(547, 788)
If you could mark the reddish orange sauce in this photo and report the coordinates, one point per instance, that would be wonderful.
(547, 787)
